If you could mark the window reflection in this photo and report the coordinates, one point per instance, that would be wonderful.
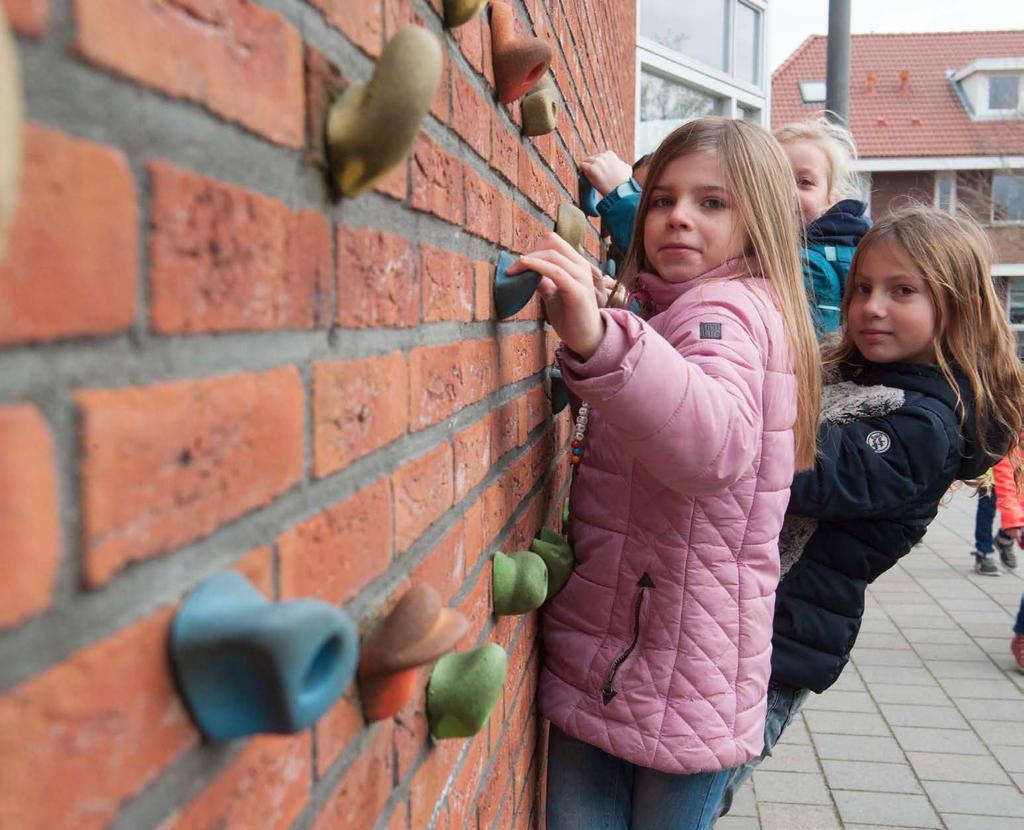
(665, 104)
(745, 38)
(696, 28)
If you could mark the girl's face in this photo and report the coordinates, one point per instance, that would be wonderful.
(691, 225)
(811, 173)
(891, 316)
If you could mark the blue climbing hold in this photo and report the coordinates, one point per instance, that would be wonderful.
(512, 292)
(589, 197)
(559, 391)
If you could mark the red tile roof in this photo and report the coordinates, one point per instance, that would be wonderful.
(924, 119)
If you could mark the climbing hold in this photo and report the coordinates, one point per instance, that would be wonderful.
(246, 666)
(463, 689)
(457, 12)
(540, 108)
(589, 197)
(518, 61)
(571, 224)
(371, 126)
(558, 557)
(559, 391)
(520, 582)
(418, 630)
(609, 268)
(512, 293)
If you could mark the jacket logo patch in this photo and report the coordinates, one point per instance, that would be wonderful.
(878, 441)
(710, 331)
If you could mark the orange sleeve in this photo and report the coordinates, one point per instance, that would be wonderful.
(1011, 508)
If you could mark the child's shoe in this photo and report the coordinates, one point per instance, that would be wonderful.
(985, 564)
(1017, 647)
(1005, 546)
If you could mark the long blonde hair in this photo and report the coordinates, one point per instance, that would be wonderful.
(972, 334)
(759, 181)
(836, 142)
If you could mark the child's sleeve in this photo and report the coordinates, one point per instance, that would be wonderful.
(618, 210)
(874, 466)
(689, 407)
(1008, 499)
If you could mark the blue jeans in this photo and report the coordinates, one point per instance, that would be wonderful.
(588, 789)
(1018, 626)
(784, 704)
(983, 522)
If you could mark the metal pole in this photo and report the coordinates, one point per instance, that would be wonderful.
(837, 78)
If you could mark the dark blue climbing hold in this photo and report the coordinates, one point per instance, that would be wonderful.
(513, 292)
(246, 666)
(589, 197)
(559, 391)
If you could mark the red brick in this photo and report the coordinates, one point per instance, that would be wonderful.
(240, 61)
(475, 546)
(72, 261)
(444, 567)
(471, 115)
(444, 379)
(396, 183)
(361, 22)
(527, 230)
(30, 539)
(482, 200)
(447, 286)
(462, 796)
(227, 259)
(163, 465)
(470, 37)
(323, 83)
(429, 781)
(437, 181)
(358, 407)
(532, 181)
(424, 490)
(337, 552)
(476, 608)
(258, 567)
(27, 17)
(521, 355)
(86, 735)
(483, 278)
(412, 729)
(378, 281)
(505, 430)
(537, 410)
(505, 151)
(365, 787)
(473, 456)
(335, 728)
(266, 785)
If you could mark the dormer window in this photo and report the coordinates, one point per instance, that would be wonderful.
(991, 88)
(812, 92)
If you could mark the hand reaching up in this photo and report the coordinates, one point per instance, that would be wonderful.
(568, 291)
(606, 171)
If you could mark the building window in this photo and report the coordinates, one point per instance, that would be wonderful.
(1015, 310)
(750, 115)
(945, 192)
(746, 43)
(1003, 92)
(812, 92)
(695, 29)
(666, 104)
(1008, 197)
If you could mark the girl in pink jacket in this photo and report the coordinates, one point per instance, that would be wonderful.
(698, 405)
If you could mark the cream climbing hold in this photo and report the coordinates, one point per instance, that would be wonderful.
(519, 61)
(10, 129)
(540, 108)
(457, 12)
(571, 224)
(371, 126)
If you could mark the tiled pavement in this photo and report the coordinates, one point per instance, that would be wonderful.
(925, 728)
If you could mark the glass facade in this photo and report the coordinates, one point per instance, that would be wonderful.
(1008, 197)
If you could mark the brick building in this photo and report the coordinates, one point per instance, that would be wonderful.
(209, 363)
(937, 118)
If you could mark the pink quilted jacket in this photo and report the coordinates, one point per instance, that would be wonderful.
(657, 650)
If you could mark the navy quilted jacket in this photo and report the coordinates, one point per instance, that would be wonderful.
(891, 445)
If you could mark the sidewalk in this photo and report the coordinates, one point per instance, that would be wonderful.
(925, 728)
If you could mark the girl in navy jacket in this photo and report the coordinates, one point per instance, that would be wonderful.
(924, 390)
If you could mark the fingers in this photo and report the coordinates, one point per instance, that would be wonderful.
(573, 269)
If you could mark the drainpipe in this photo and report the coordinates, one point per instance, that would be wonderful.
(837, 79)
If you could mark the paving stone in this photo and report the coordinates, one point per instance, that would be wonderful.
(918, 695)
(939, 766)
(872, 640)
(934, 635)
(840, 701)
(858, 748)
(959, 822)
(744, 803)
(796, 733)
(870, 776)
(922, 739)
(791, 758)
(1011, 757)
(731, 822)
(896, 674)
(791, 787)
(944, 669)
(951, 651)
(849, 681)
(886, 809)
(975, 799)
(999, 733)
(879, 625)
(1012, 710)
(846, 723)
(920, 621)
(798, 817)
(939, 717)
(884, 657)
(958, 687)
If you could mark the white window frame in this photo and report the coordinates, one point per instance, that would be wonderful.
(1007, 273)
(1002, 223)
(1004, 111)
(733, 92)
(949, 176)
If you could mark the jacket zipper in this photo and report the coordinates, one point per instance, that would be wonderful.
(608, 692)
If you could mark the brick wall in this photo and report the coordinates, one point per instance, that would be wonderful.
(207, 364)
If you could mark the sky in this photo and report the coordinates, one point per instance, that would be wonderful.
(790, 21)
